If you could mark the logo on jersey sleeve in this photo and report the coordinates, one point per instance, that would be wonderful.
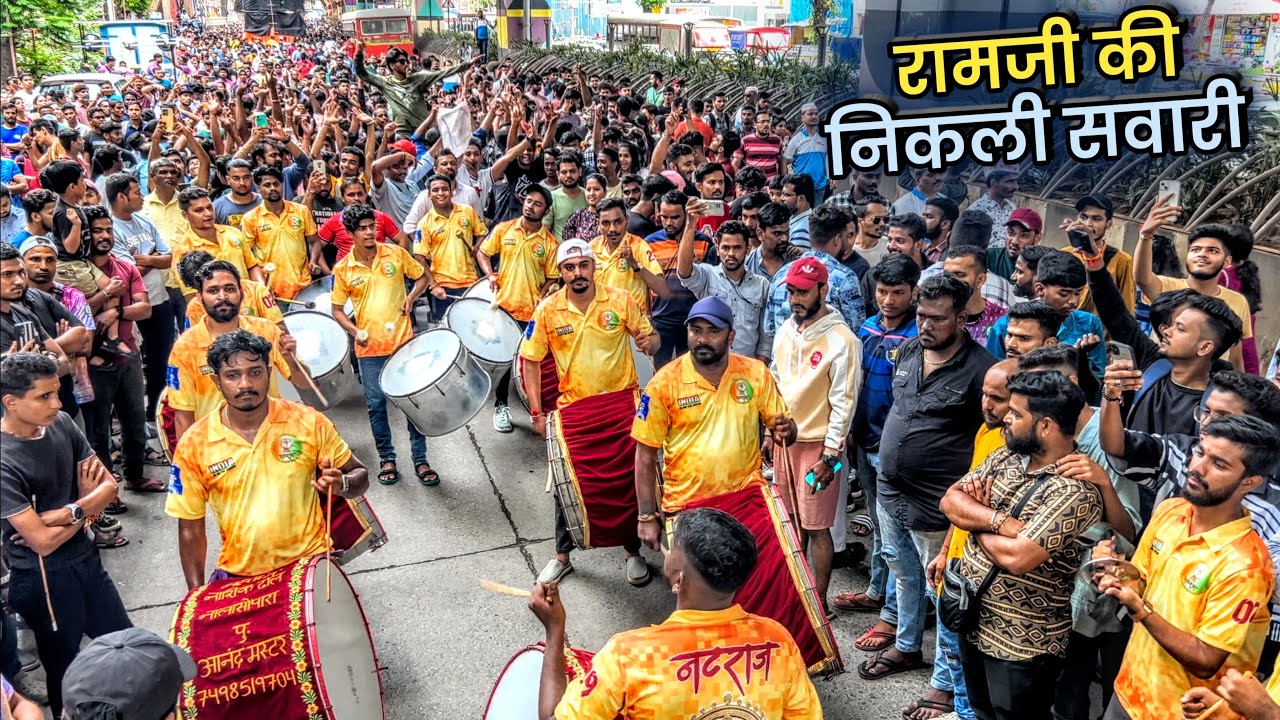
(175, 480)
(642, 411)
(171, 378)
(528, 330)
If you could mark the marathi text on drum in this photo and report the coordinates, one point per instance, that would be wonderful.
(247, 687)
(243, 606)
(265, 650)
(702, 663)
(232, 588)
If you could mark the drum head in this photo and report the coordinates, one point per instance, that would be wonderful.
(420, 363)
(318, 294)
(487, 332)
(515, 695)
(322, 343)
(480, 289)
(343, 649)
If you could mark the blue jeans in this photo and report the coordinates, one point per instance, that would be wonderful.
(905, 552)
(370, 377)
(948, 673)
(881, 586)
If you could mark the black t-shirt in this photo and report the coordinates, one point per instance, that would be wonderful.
(49, 310)
(640, 225)
(324, 208)
(9, 332)
(47, 468)
(62, 228)
(509, 198)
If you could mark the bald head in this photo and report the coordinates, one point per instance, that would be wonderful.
(995, 392)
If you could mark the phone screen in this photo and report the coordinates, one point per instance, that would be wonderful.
(1080, 241)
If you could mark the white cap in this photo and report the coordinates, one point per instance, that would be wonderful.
(572, 248)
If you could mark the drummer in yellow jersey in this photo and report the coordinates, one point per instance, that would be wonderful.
(704, 411)
(192, 392)
(448, 236)
(709, 659)
(526, 253)
(281, 233)
(372, 276)
(624, 260)
(221, 241)
(257, 300)
(263, 464)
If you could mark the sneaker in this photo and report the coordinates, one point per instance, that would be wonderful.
(555, 571)
(638, 571)
(502, 419)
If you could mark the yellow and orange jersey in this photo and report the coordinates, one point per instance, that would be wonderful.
(268, 512)
(525, 262)
(377, 296)
(592, 349)
(449, 243)
(612, 271)
(282, 241)
(987, 441)
(696, 664)
(190, 377)
(710, 436)
(229, 246)
(256, 300)
(1214, 586)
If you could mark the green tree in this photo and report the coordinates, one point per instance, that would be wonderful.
(45, 32)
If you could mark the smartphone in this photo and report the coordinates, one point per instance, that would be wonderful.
(166, 118)
(1080, 241)
(714, 207)
(260, 120)
(1171, 189)
(26, 333)
(1119, 351)
(811, 478)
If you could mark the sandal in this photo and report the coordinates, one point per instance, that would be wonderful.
(148, 485)
(107, 542)
(875, 640)
(940, 708)
(428, 477)
(388, 475)
(117, 348)
(856, 602)
(156, 458)
(860, 526)
(117, 507)
(868, 670)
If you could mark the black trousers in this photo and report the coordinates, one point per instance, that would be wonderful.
(157, 340)
(502, 388)
(178, 302)
(675, 342)
(85, 602)
(1087, 656)
(1009, 689)
(119, 389)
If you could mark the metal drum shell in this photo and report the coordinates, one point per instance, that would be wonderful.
(336, 382)
(451, 400)
(497, 366)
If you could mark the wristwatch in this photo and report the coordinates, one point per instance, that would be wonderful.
(831, 461)
(77, 512)
(1146, 610)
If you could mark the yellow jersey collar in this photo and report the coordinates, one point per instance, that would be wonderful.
(1223, 535)
(220, 431)
(689, 375)
(707, 617)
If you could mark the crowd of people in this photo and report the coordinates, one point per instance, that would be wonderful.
(917, 371)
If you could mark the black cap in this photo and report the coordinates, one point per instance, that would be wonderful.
(1098, 201)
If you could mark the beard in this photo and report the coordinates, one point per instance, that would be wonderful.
(1022, 445)
(223, 312)
(706, 354)
(579, 285)
(1208, 497)
(1205, 275)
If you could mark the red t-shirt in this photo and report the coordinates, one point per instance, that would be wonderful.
(332, 231)
(127, 274)
(694, 124)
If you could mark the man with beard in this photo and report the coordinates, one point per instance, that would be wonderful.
(231, 208)
(632, 191)
(744, 292)
(1024, 507)
(223, 242)
(1094, 220)
(669, 312)
(1025, 267)
(1024, 229)
(164, 209)
(1208, 254)
(192, 392)
(710, 179)
(969, 263)
(569, 197)
(393, 192)
(939, 215)
(797, 195)
(866, 185)
(282, 234)
(928, 185)
(22, 325)
(374, 276)
(925, 446)
(256, 299)
(263, 464)
(711, 445)
(263, 151)
(624, 260)
(527, 269)
(1199, 608)
(446, 167)
(587, 328)
(323, 199)
(334, 233)
(997, 202)
(769, 221)
(1031, 325)
(817, 364)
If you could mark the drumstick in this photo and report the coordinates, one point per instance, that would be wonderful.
(311, 383)
(503, 589)
(1214, 707)
(44, 580)
(328, 553)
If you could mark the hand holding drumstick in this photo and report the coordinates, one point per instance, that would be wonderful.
(1240, 692)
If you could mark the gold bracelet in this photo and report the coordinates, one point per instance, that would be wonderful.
(647, 517)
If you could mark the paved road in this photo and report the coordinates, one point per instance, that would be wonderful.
(441, 637)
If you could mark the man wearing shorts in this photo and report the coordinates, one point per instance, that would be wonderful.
(817, 361)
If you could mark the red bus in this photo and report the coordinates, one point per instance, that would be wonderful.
(380, 29)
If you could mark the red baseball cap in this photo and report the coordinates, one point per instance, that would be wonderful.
(805, 273)
(1028, 218)
(404, 146)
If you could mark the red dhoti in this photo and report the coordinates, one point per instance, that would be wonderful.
(592, 458)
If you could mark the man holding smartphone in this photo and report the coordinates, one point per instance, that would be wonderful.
(1087, 239)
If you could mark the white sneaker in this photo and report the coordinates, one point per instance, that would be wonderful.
(637, 571)
(502, 419)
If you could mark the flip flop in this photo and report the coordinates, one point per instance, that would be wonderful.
(156, 458)
(108, 542)
(428, 477)
(856, 602)
(388, 474)
(940, 707)
(892, 667)
(875, 640)
(150, 485)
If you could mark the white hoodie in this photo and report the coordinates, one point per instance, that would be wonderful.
(818, 372)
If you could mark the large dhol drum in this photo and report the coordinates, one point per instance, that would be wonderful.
(781, 586)
(550, 382)
(271, 646)
(488, 333)
(435, 382)
(515, 694)
(316, 296)
(324, 347)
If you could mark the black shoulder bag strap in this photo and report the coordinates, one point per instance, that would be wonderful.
(1022, 503)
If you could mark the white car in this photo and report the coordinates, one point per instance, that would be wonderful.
(92, 80)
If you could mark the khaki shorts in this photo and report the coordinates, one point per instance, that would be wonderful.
(81, 275)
